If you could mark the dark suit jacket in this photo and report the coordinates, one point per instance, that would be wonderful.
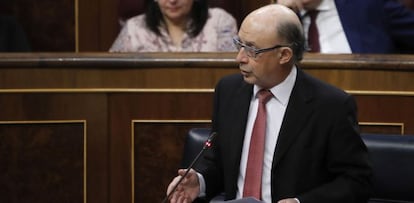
(377, 26)
(319, 154)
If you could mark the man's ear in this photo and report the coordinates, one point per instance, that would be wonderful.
(286, 55)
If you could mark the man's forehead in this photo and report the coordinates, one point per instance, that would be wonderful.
(253, 29)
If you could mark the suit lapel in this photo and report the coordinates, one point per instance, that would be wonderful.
(240, 112)
(241, 109)
(298, 110)
(242, 105)
(349, 16)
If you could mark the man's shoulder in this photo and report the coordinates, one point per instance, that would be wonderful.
(231, 82)
(322, 88)
(230, 79)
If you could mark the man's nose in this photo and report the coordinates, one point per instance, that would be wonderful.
(242, 56)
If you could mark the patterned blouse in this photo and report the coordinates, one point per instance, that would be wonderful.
(216, 35)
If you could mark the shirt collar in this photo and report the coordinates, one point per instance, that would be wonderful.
(325, 5)
(282, 91)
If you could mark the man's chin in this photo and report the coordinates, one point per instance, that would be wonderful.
(248, 79)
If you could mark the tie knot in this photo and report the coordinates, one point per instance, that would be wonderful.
(313, 13)
(264, 96)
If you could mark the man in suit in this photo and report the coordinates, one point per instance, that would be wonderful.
(355, 26)
(312, 150)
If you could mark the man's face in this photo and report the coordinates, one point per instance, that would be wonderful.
(263, 70)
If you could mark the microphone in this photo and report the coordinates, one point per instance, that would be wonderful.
(207, 145)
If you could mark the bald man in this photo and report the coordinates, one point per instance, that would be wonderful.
(312, 148)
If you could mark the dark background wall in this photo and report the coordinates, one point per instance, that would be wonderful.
(86, 25)
(90, 25)
(49, 25)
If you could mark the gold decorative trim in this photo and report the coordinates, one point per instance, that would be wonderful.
(171, 121)
(177, 90)
(40, 121)
(84, 122)
(133, 148)
(76, 26)
(109, 90)
(385, 93)
(401, 125)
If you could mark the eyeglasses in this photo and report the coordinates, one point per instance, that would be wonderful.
(252, 51)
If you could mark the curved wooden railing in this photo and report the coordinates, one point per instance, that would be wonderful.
(191, 70)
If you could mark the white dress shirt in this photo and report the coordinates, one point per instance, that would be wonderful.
(332, 38)
(275, 111)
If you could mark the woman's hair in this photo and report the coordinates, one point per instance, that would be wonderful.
(198, 15)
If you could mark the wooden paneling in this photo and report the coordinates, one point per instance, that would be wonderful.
(158, 149)
(129, 111)
(49, 25)
(60, 107)
(195, 70)
(138, 107)
(98, 24)
(42, 161)
(389, 113)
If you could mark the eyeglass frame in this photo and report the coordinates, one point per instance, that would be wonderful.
(254, 50)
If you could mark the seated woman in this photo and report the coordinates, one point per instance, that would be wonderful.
(177, 25)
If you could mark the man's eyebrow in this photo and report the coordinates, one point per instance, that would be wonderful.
(248, 43)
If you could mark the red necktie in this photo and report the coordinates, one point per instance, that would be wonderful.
(313, 34)
(253, 178)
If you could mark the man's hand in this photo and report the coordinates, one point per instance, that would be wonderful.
(188, 190)
(290, 200)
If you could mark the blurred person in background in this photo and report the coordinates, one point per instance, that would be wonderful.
(355, 26)
(178, 26)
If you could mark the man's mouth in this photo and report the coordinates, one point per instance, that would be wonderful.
(243, 72)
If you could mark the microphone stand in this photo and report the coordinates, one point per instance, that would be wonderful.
(207, 145)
